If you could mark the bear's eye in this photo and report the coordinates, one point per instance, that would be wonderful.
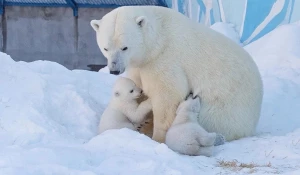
(124, 48)
(131, 91)
(105, 49)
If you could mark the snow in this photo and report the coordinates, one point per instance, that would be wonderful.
(278, 58)
(49, 117)
(227, 29)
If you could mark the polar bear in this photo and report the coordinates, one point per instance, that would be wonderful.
(123, 111)
(168, 55)
(186, 136)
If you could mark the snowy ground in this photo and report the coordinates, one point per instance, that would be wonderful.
(49, 117)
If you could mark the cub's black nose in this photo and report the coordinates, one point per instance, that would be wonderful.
(141, 91)
(114, 72)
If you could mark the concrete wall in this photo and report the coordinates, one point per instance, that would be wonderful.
(35, 33)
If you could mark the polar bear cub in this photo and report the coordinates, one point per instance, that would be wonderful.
(186, 136)
(123, 111)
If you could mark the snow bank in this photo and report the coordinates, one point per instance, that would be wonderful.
(278, 58)
(44, 102)
(49, 117)
(228, 30)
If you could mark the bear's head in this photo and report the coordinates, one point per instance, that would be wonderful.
(190, 106)
(125, 90)
(124, 36)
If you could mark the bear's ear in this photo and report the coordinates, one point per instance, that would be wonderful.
(95, 24)
(117, 94)
(141, 21)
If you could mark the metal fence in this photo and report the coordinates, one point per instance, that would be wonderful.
(75, 4)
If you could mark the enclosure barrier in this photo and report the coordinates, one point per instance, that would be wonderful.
(75, 4)
(57, 30)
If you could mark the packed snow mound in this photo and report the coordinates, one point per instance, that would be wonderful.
(296, 23)
(277, 55)
(287, 39)
(49, 117)
(227, 29)
(43, 101)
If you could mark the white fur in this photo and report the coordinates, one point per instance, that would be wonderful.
(169, 56)
(185, 135)
(123, 111)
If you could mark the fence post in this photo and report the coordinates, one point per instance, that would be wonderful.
(74, 6)
(1, 7)
(162, 3)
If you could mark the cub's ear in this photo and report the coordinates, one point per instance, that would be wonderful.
(141, 21)
(95, 24)
(117, 94)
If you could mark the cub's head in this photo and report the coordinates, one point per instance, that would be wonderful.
(121, 36)
(190, 105)
(126, 90)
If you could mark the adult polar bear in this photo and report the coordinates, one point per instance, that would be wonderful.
(168, 56)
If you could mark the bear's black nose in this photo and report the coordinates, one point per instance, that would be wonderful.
(141, 91)
(114, 72)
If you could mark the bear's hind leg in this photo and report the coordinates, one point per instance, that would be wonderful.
(164, 112)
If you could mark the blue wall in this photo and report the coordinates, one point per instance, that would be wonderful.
(253, 18)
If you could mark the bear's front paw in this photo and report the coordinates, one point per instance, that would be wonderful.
(189, 96)
(220, 140)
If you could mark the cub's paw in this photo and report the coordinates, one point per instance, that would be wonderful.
(220, 140)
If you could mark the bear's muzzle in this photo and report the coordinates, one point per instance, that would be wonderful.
(114, 72)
